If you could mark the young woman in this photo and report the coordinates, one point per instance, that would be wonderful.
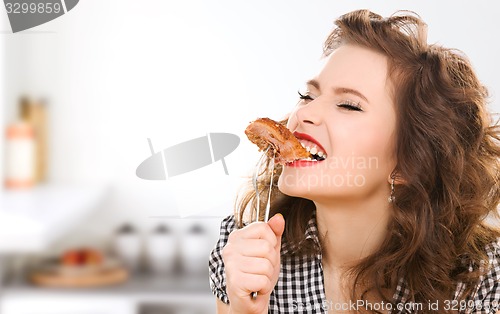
(393, 219)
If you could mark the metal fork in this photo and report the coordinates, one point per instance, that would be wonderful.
(255, 184)
(268, 205)
(257, 196)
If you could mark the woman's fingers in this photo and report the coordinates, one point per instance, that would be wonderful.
(259, 248)
(257, 266)
(256, 230)
(252, 263)
(241, 259)
(248, 283)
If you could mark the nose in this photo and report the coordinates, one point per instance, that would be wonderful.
(310, 113)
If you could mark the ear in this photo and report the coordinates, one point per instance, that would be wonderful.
(397, 178)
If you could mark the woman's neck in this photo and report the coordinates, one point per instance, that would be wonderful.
(351, 229)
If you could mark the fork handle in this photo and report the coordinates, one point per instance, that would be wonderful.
(268, 207)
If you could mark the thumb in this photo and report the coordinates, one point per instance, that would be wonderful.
(277, 224)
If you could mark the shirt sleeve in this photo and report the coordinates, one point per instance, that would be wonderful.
(217, 274)
(487, 298)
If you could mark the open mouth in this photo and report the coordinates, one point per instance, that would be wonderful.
(317, 153)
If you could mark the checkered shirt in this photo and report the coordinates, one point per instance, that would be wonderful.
(300, 287)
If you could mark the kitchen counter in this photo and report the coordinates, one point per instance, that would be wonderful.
(172, 294)
(30, 220)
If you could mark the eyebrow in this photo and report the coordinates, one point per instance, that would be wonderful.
(339, 90)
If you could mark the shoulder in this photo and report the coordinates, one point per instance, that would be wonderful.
(216, 264)
(493, 251)
(488, 290)
(227, 226)
(493, 266)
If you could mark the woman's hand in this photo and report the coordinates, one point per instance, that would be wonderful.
(252, 263)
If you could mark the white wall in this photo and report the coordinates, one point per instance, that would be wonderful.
(3, 75)
(117, 72)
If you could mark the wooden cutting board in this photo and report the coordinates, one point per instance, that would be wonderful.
(79, 277)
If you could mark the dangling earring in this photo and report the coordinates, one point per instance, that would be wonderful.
(392, 198)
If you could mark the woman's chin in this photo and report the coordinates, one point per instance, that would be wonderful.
(294, 190)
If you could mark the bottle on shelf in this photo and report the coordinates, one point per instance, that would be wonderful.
(34, 113)
(26, 146)
(19, 156)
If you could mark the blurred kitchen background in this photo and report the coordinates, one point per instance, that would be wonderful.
(80, 96)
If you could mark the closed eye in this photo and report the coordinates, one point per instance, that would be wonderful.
(349, 105)
(304, 97)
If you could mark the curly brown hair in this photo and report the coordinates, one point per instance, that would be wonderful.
(448, 157)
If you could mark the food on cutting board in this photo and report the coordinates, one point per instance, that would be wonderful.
(79, 268)
(265, 132)
(82, 257)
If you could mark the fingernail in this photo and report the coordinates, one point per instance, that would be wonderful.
(279, 214)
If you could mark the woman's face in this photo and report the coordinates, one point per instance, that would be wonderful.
(347, 113)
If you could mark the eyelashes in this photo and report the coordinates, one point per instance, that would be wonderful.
(304, 97)
(345, 104)
(350, 105)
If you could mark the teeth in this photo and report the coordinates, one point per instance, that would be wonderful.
(313, 150)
